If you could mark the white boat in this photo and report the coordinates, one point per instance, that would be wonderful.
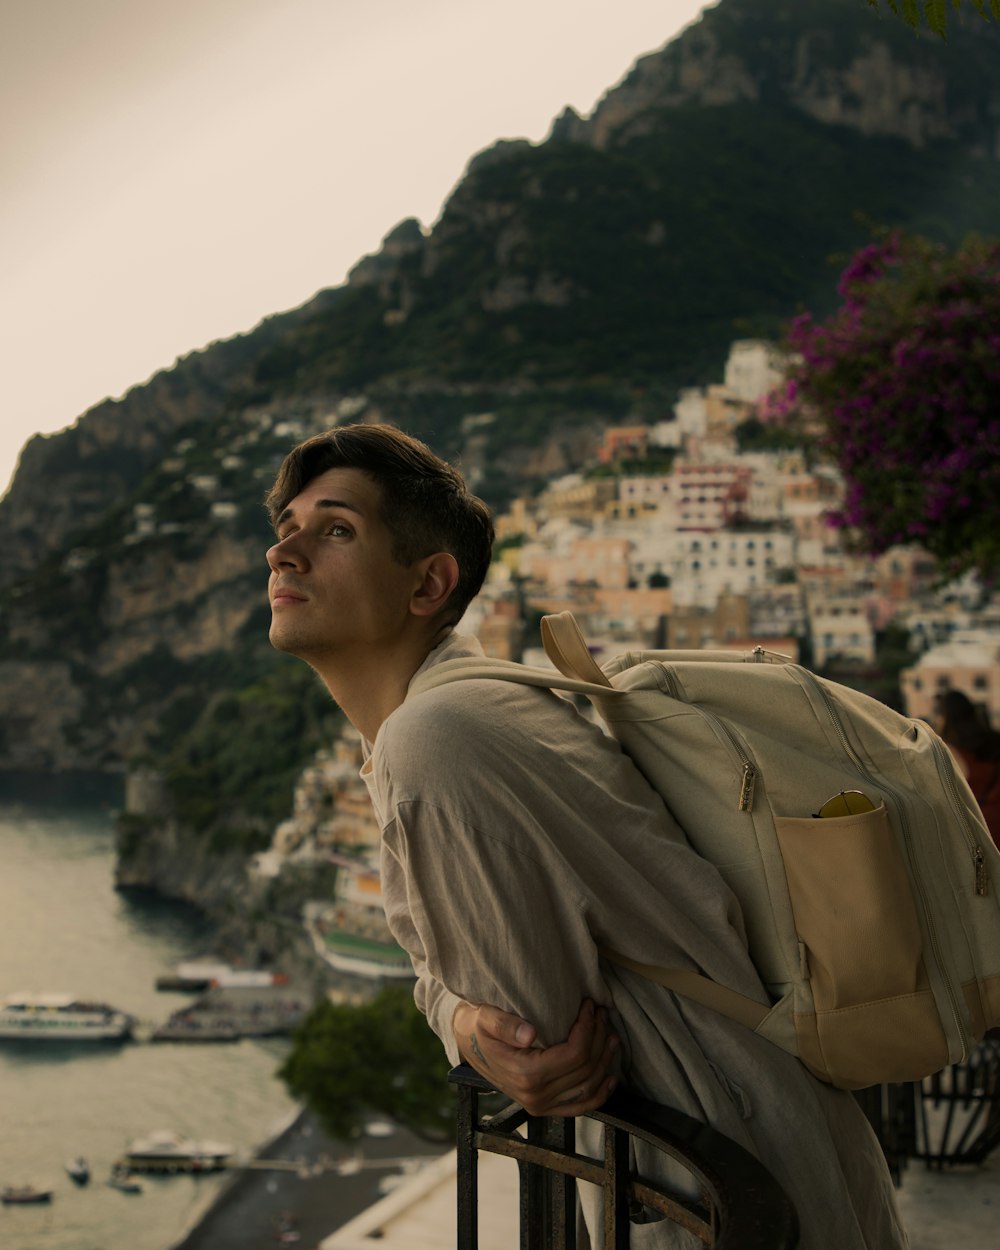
(61, 1017)
(122, 1179)
(167, 1151)
(78, 1169)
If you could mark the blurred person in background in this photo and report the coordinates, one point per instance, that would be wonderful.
(965, 727)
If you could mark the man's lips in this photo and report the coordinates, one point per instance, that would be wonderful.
(284, 595)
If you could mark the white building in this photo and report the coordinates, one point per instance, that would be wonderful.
(840, 627)
(707, 565)
(753, 368)
(969, 661)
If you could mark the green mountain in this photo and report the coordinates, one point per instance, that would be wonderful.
(568, 284)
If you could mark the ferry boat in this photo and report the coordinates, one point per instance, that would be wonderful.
(166, 1151)
(61, 1017)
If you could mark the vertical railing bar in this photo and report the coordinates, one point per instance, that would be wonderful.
(561, 1135)
(616, 1188)
(526, 1236)
(536, 1183)
(467, 1169)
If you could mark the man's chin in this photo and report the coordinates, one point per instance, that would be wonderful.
(281, 640)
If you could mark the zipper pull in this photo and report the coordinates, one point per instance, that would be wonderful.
(747, 783)
(982, 873)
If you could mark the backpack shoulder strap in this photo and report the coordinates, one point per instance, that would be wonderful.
(690, 984)
(567, 648)
(471, 667)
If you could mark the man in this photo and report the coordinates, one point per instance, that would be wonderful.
(517, 838)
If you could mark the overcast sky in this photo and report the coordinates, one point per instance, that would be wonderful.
(170, 173)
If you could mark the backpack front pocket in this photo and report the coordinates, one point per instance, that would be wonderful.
(852, 907)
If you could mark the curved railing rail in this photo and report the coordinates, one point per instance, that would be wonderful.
(742, 1206)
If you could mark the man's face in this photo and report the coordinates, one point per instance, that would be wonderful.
(335, 590)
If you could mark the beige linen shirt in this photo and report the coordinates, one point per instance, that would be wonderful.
(517, 838)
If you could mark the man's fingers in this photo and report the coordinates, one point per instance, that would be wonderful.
(505, 1027)
(587, 1053)
(576, 1101)
(569, 1078)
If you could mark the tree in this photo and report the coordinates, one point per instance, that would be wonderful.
(347, 1062)
(904, 379)
(935, 12)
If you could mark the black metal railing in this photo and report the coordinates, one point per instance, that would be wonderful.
(741, 1207)
(949, 1119)
(958, 1110)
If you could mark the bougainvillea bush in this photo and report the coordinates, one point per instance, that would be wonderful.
(905, 380)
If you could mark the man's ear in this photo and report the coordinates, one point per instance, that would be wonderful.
(440, 577)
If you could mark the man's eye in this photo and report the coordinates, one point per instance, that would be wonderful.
(339, 530)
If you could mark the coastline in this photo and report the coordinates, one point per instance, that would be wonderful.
(254, 1204)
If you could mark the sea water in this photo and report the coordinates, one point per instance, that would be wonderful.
(64, 928)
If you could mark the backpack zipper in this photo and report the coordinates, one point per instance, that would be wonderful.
(748, 769)
(919, 892)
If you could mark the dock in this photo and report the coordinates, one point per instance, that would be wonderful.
(225, 1014)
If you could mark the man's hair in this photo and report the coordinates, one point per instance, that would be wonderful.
(424, 501)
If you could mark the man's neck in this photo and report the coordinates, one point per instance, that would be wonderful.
(368, 688)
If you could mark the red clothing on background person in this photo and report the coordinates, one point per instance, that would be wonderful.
(976, 745)
(983, 777)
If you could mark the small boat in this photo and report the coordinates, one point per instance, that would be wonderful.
(78, 1170)
(123, 1180)
(23, 1194)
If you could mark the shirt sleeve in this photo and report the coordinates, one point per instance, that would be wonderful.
(487, 922)
(438, 1004)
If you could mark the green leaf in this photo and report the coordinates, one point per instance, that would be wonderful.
(911, 12)
(936, 12)
(995, 9)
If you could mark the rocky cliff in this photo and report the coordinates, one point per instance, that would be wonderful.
(874, 76)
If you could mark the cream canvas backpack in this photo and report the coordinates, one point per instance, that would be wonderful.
(876, 932)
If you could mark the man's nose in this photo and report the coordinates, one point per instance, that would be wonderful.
(285, 554)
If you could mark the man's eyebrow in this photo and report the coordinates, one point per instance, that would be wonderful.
(320, 504)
